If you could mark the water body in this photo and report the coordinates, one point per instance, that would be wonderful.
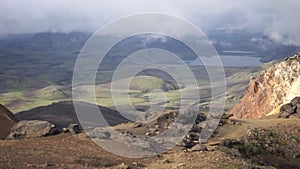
(232, 61)
(237, 52)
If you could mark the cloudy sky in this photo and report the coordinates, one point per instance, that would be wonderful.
(278, 18)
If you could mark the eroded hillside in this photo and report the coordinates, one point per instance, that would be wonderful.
(274, 87)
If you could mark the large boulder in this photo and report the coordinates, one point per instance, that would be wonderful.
(291, 109)
(32, 128)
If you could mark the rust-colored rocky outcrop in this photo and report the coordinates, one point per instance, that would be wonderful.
(276, 86)
(7, 120)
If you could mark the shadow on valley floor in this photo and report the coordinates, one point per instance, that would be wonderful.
(63, 113)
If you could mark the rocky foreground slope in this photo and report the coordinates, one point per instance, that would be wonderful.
(274, 87)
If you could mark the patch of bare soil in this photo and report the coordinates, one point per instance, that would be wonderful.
(60, 151)
(78, 151)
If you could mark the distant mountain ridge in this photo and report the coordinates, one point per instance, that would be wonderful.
(45, 42)
(262, 45)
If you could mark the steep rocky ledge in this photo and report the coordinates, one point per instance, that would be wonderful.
(7, 120)
(274, 87)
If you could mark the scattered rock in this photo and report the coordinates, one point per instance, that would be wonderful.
(234, 152)
(166, 118)
(227, 116)
(99, 133)
(211, 148)
(65, 130)
(190, 140)
(197, 128)
(123, 166)
(74, 128)
(297, 156)
(199, 147)
(47, 165)
(225, 142)
(128, 133)
(137, 125)
(181, 165)
(167, 161)
(200, 118)
(32, 128)
(153, 130)
(137, 164)
(229, 143)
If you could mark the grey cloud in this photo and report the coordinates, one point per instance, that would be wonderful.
(274, 17)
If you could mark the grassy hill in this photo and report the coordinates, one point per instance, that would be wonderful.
(51, 92)
(146, 83)
(24, 99)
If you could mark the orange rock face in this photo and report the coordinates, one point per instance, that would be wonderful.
(276, 86)
(7, 120)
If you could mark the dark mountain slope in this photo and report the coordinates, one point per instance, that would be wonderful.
(63, 113)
